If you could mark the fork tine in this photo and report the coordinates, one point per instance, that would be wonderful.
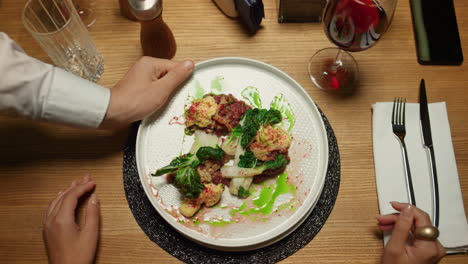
(398, 121)
(400, 112)
(396, 111)
(404, 112)
(393, 111)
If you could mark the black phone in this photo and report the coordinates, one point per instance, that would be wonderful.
(436, 32)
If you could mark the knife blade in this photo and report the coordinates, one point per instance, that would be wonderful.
(427, 141)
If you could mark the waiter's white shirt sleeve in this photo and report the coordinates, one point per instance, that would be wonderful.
(41, 91)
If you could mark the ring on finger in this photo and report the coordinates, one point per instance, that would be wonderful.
(429, 233)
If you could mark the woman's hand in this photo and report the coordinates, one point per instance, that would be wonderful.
(401, 248)
(65, 241)
(144, 89)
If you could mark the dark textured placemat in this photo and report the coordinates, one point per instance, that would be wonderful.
(163, 234)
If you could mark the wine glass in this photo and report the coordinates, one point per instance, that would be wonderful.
(352, 25)
(87, 15)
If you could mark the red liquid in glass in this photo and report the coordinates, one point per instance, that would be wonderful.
(354, 25)
(337, 78)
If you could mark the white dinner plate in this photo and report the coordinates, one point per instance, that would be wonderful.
(236, 224)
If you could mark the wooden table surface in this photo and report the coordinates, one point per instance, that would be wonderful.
(39, 159)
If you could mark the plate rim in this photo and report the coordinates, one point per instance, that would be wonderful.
(260, 240)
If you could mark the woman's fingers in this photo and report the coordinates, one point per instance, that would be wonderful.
(91, 227)
(441, 250)
(387, 219)
(409, 218)
(386, 222)
(386, 228)
(62, 237)
(70, 201)
(52, 205)
(401, 230)
(421, 218)
(55, 204)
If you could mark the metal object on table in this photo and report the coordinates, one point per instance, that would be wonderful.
(429, 233)
(427, 141)
(156, 38)
(399, 129)
(145, 10)
(300, 10)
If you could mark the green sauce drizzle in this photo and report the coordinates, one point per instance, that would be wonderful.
(279, 103)
(217, 84)
(251, 94)
(264, 197)
(235, 210)
(199, 91)
(218, 222)
(265, 201)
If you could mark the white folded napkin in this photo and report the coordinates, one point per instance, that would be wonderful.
(390, 176)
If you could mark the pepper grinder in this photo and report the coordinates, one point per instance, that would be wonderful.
(125, 10)
(156, 37)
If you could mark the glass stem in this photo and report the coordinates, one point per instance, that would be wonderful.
(336, 62)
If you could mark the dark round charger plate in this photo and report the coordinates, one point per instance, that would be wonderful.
(163, 234)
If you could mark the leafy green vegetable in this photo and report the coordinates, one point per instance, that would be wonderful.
(267, 117)
(187, 178)
(189, 130)
(237, 131)
(189, 182)
(278, 163)
(235, 171)
(182, 161)
(254, 119)
(230, 144)
(243, 192)
(248, 160)
(204, 153)
(249, 132)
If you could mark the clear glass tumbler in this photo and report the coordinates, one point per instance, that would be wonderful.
(58, 29)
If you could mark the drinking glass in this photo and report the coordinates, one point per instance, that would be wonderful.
(352, 25)
(87, 14)
(58, 29)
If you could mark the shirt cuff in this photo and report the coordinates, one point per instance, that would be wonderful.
(75, 101)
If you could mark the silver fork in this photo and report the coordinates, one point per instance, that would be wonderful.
(399, 129)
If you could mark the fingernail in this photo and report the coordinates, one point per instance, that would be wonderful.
(406, 212)
(188, 65)
(59, 193)
(73, 183)
(94, 199)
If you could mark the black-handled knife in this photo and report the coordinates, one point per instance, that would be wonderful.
(427, 141)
